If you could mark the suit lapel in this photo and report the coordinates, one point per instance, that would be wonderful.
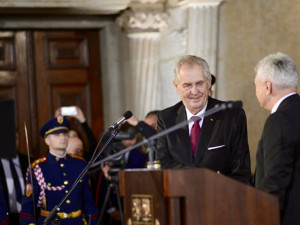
(208, 130)
(183, 134)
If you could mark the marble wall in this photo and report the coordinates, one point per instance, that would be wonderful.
(250, 30)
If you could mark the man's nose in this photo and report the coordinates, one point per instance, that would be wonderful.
(194, 89)
(62, 135)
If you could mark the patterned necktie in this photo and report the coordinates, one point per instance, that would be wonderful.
(195, 132)
(16, 180)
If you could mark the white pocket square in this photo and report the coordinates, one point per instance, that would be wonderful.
(216, 147)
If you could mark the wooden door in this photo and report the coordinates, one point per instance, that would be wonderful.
(14, 80)
(43, 70)
(67, 65)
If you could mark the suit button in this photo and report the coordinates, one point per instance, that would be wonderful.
(68, 201)
(62, 165)
(66, 191)
(49, 184)
(64, 174)
(66, 182)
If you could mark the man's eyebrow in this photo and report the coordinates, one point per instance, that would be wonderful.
(186, 83)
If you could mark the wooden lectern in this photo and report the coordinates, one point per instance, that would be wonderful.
(193, 197)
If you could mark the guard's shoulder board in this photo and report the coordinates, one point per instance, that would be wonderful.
(38, 161)
(77, 157)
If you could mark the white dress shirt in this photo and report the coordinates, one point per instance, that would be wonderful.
(200, 114)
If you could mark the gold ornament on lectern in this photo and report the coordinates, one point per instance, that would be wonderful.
(142, 210)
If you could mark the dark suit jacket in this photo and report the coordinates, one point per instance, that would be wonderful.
(23, 163)
(278, 158)
(224, 130)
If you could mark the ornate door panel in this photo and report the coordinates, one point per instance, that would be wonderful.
(68, 73)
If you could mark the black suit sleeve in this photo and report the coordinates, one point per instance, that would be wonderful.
(276, 148)
(162, 153)
(240, 159)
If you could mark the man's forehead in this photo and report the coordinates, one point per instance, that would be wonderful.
(192, 79)
(190, 65)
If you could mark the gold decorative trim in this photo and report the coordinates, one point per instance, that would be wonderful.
(38, 161)
(142, 212)
(56, 128)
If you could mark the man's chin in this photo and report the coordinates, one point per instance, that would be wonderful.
(195, 109)
(196, 105)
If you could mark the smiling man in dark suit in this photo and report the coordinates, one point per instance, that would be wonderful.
(218, 142)
(278, 152)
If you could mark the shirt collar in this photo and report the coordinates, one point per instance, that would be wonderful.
(199, 114)
(57, 156)
(275, 107)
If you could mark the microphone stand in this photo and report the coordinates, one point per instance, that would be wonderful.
(150, 144)
(150, 141)
(53, 214)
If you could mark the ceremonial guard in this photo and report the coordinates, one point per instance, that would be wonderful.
(52, 177)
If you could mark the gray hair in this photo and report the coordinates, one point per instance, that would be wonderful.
(278, 68)
(191, 59)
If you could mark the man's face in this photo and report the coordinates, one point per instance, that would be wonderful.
(260, 91)
(193, 87)
(57, 142)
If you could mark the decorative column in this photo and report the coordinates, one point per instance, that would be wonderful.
(142, 24)
(202, 30)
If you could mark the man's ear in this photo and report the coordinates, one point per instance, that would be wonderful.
(268, 87)
(209, 83)
(175, 85)
(47, 141)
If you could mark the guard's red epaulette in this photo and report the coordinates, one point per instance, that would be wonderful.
(78, 157)
(38, 161)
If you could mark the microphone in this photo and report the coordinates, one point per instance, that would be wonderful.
(234, 104)
(126, 116)
(230, 105)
